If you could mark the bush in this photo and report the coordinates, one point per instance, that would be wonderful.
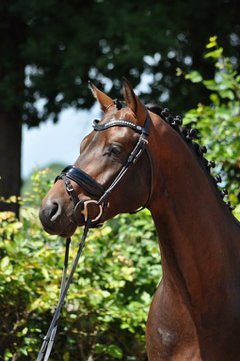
(105, 313)
(218, 121)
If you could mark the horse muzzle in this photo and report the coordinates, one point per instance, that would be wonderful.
(55, 219)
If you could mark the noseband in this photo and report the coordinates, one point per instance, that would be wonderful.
(94, 188)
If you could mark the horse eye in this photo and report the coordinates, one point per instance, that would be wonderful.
(114, 149)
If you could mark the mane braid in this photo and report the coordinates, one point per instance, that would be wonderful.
(188, 135)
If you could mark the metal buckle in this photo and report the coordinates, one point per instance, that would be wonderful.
(85, 212)
(68, 186)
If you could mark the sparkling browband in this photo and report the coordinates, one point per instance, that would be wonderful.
(120, 123)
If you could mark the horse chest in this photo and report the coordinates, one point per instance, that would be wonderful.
(171, 334)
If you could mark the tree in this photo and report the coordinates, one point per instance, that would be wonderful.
(50, 48)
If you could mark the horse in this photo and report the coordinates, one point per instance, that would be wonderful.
(142, 156)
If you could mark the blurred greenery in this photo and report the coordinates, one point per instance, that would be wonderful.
(105, 313)
(218, 121)
(54, 168)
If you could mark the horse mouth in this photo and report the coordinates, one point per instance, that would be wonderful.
(63, 231)
(61, 225)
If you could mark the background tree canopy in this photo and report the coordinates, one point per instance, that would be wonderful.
(49, 50)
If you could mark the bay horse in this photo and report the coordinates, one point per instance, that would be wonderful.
(142, 156)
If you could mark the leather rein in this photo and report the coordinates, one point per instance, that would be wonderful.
(84, 180)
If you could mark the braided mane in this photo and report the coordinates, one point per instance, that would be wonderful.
(188, 135)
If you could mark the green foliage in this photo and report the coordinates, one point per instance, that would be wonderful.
(104, 41)
(219, 121)
(236, 212)
(52, 168)
(105, 313)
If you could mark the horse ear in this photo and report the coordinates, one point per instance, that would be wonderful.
(133, 101)
(104, 100)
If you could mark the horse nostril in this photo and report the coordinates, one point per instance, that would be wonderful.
(50, 214)
(55, 211)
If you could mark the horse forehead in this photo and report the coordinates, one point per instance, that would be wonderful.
(113, 132)
(101, 138)
(124, 113)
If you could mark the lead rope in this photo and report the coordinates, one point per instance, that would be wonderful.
(48, 340)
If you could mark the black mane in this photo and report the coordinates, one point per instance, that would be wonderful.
(188, 135)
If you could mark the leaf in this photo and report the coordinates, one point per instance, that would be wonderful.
(99, 348)
(214, 98)
(146, 298)
(227, 94)
(215, 54)
(24, 331)
(211, 84)
(179, 71)
(211, 45)
(213, 38)
(34, 305)
(24, 351)
(4, 263)
(212, 42)
(45, 273)
(194, 76)
(236, 212)
(114, 351)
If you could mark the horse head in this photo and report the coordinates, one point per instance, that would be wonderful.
(112, 173)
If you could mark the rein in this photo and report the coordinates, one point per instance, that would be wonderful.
(95, 189)
(48, 340)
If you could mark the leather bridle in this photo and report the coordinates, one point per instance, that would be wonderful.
(95, 189)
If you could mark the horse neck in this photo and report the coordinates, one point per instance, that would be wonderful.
(197, 233)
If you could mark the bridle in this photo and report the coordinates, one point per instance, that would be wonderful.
(95, 189)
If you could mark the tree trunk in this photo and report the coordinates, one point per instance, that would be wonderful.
(10, 157)
(12, 76)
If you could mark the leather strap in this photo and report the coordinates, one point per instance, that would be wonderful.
(120, 123)
(83, 179)
(48, 340)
